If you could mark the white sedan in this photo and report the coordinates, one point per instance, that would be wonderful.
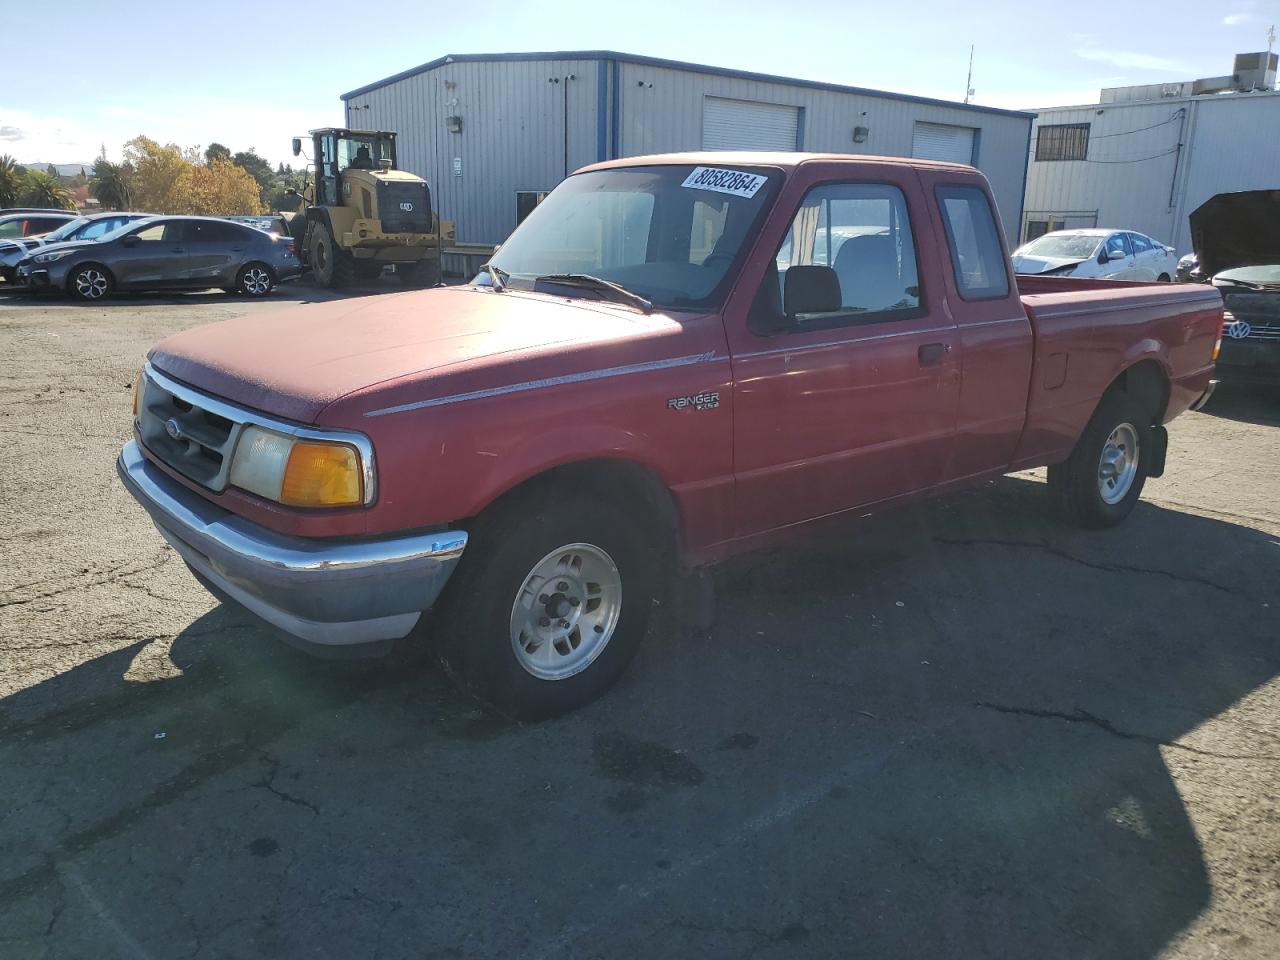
(1110, 254)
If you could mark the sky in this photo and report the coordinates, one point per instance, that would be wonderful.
(244, 74)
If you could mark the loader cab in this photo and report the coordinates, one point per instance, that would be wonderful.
(338, 150)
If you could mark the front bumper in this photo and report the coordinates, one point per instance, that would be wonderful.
(1249, 361)
(36, 278)
(330, 593)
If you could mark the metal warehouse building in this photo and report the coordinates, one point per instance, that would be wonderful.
(1143, 158)
(491, 132)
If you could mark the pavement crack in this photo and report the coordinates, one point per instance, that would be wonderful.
(116, 575)
(268, 783)
(1106, 726)
(1091, 564)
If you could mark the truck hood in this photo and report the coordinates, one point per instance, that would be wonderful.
(1237, 230)
(1025, 264)
(294, 362)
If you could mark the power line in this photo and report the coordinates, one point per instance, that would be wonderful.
(1125, 133)
(1153, 156)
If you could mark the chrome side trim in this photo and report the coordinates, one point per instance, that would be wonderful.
(992, 323)
(546, 382)
(243, 416)
(799, 347)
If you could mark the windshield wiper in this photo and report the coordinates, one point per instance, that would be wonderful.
(587, 281)
(497, 277)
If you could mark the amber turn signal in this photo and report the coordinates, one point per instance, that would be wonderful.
(322, 475)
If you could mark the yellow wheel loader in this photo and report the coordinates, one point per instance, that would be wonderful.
(361, 213)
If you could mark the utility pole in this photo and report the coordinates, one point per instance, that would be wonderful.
(968, 81)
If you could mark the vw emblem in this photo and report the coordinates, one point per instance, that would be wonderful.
(407, 207)
(173, 429)
(1238, 330)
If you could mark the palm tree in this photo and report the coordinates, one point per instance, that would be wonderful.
(110, 184)
(10, 181)
(42, 190)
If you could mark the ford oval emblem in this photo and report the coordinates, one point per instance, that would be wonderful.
(173, 429)
(1238, 330)
(407, 207)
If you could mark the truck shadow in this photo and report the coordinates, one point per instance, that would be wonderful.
(1258, 404)
(939, 733)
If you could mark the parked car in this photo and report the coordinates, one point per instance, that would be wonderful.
(641, 382)
(165, 253)
(1189, 270)
(1108, 254)
(270, 222)
(1238, 237)
(92, 227)
(32, 223)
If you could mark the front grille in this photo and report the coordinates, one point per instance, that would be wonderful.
(1265, 329)
(394, 196)
(185, 429)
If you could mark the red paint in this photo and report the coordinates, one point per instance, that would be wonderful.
(808, 425)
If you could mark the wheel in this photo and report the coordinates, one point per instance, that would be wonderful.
(332, 267)
(549, 604)
(1163, 278)
(89, 282)
(255, 280)
(367, 270)
(421, 273)
(1099, 484)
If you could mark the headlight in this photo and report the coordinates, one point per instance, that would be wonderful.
(55, 255)
(299, 472)
(1061, 271)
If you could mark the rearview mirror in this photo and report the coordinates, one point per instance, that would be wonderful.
(132, 240)
(297, 146)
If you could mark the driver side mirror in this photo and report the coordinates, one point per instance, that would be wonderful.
(132, 240)
(1112, 255)
(297, 146)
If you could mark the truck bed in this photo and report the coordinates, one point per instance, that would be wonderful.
(1087, 331)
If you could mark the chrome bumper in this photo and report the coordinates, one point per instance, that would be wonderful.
(1204, 397)
(332, 593)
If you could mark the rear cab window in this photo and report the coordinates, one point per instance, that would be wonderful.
(973, 241)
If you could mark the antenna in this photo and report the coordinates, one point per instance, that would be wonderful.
(1271, 37)
(968, 81)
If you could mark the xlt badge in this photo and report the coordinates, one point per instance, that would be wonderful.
(707, 400)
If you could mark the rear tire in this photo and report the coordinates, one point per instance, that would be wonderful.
(549, 604)
(332, 267)
(90, 282)
(1100, 483)
(1163, 278)
(421, 273)
(255, 280)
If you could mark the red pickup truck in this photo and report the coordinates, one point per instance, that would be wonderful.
(672, 360)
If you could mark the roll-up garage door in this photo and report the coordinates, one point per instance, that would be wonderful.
(748, 125)
(941, 141)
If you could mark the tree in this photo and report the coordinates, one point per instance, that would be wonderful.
(216, 150)
(161, 180)
(43, 190)
(10, 181)
(52, 171)
(220, 189)
(258, 168)
(110, 184)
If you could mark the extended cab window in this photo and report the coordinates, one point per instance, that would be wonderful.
(851, 242)
(973, 238)
(671, 234)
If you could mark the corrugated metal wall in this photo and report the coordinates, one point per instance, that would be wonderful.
(513, 128)
(1136, 179)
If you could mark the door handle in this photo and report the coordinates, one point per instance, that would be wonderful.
(179, 250)
(931, 354)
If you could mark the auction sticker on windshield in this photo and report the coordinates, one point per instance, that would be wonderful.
(733, 182)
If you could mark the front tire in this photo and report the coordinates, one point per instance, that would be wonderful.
(1100, 483)
(332, 267)
(90, 283)
(549, 605)
(255, 280)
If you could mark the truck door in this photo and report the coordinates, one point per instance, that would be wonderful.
(994, 334)
(846, 372)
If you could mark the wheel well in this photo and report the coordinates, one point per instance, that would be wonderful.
(1147, 383)
(631, 485)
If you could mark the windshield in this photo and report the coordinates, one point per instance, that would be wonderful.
(668, 233)
(66, 230)
(1078, 246)
(362, 153)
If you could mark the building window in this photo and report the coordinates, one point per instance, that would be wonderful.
(1062, 141)
(526, 200)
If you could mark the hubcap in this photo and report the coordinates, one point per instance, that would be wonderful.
(1118, 465)
(257, 280)
(91, 284)
(566, 611)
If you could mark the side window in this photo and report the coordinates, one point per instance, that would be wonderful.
(200, 231)
(1116, 243)
(44, 225)
(1140, 243)
(850, 257)
(99, 228)
(974, 242)
(177, 231)
(153, 233)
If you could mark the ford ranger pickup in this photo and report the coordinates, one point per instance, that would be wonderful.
(674, 359)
